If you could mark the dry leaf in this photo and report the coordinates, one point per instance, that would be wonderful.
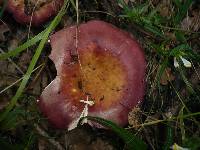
(165, 8)
(134, 117)
(167, 76)
(3, 30)
(191, 23)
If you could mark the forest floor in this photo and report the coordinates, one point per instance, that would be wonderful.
(169, 33)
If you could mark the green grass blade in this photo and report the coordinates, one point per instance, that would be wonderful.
(161, 70)
(177, 2)
(193, 143)
(34, 60)
(3, 8)
(154, 30)
(17, 81)
(22, 47)
(12, 119)
(182, 11)
(73, 4)
(132, 142)
(169, 137)
(187, 83)
(188, 115)
(182, 126)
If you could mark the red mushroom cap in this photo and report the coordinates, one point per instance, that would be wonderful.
(111, 70)
(43, 10)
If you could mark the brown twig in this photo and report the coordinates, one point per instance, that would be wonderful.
(57, 145)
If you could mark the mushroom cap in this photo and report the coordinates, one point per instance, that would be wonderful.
(48, 9)
(110, 70)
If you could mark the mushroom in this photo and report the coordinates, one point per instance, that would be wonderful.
(94, 61)
(34, 11)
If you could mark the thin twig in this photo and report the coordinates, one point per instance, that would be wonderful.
(17, 81)
(55, 143)
(16, 66)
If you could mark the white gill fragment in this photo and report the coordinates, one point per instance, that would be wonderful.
(186, 63)
(84, 113)
(177, 147)
(175, 63)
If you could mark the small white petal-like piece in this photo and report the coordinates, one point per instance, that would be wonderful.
(175, 63)
(186, 62)
(177, 147)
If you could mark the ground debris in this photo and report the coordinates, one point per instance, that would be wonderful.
(165, 8)
(4, 30)
(167, 76)
(24, 60)
(17, 38)
(87, 139)
(134, 117)
(191, 23)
